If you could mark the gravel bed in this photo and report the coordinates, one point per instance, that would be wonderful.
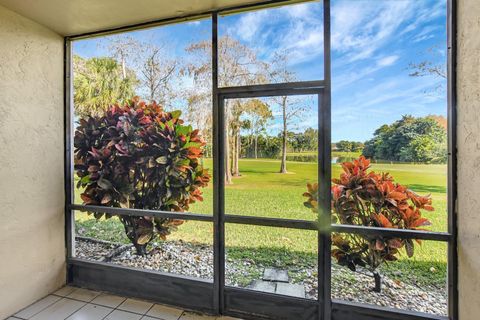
(398, 294)
(196, 260)
(188, 259)
(93, 249)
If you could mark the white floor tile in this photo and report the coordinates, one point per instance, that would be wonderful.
(37, 307)
(122, 315)
(134, 305)
(59, 310)
(64, 291)
(90, 312)
(83, 294)
(164, 312)
(195, 316)
(102, 307)
(108, 300)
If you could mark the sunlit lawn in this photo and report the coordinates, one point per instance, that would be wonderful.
(262, 191)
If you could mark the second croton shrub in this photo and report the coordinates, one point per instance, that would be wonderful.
(140, 156)
(363, 197)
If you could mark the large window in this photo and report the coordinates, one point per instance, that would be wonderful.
(389, 103)
(291, 160)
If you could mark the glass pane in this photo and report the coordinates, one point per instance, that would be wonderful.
(418, 283)
(187, 251)
(271, 155)
(275, 260)
(273, 45)
(389, 94)
(141, 154)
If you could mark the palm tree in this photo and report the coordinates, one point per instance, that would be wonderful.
(99, 83)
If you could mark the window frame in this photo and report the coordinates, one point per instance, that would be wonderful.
(211, 297)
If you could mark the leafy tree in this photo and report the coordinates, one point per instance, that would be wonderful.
(303, 141)
(440, 120)
(258, 113)
(98, 83)
(362, 197)
(141, 157)
(344, 145)
(409, 139)
(311, 139)
(357, 146)
(268, 146)
(349, 146)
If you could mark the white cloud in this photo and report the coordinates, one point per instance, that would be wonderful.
(393, 96)
(250, 23)
(387, 61)
(360, 29)
(351, 75)
(426, 33)
(296, 29)
(194, 23)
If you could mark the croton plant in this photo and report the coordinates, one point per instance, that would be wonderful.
(362, 197)
(140, 156)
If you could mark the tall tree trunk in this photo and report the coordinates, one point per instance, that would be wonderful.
(256, 145)
(233, 140)
(152, 92)
(236, 157)
(283, 165)
(228, 170)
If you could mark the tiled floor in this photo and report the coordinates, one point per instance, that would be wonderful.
(71, 303)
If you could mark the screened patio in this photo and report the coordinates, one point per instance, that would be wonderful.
(239, 159)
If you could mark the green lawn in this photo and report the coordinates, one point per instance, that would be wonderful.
(262, 191)
(334, 154)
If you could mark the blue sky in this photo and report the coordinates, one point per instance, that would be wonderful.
(373, 42)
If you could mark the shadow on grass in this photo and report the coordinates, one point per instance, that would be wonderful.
(418, 273)
(273, 257)
(422, 188)
(109, 230)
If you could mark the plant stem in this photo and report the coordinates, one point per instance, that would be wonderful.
(378, 282)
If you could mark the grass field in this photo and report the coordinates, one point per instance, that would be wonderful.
(334, 154)
(262, 191)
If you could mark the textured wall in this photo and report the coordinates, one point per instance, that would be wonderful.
(468, 130)
(32, 254)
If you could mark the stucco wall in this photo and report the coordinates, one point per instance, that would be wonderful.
(32, 253)
(468, 130)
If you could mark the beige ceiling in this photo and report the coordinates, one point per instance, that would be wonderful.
(72, 17)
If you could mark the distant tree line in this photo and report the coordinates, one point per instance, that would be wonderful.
(410, 139)
(348, 146)
(270, 146)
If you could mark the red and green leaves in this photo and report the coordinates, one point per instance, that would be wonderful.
(362, 197)
(140, 156)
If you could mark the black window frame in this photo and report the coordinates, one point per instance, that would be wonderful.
(214, 297)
